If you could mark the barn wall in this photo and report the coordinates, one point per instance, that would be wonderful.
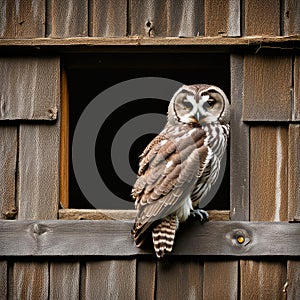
(265, 141)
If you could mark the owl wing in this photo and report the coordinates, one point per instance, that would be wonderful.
(169, 168)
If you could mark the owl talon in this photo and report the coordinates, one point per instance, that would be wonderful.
(200, 214)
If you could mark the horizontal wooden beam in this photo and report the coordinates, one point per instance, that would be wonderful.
(113, 238)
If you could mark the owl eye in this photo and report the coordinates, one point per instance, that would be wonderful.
(187, 105)
(211, 102)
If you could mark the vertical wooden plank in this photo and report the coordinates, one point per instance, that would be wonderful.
(296, 102)
(220, 280)
(222, 18)
(8, 166)
(267, 94)
(291, 17)
(64, 143)
(179, 278)
(145, 280)
(108, 18)
(294, 172)
(262, 280)
(239, 145)
(293, 275)
(30, 280)
(3, 279)
(22, 19)
(262, 17)
(64, 280)
(67, 18)
(148, 18)
(110, 279)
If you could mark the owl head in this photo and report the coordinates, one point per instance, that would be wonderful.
(198, 105)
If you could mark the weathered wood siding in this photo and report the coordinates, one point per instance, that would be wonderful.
(264, 152)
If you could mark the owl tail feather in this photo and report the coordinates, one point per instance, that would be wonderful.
(163, 235)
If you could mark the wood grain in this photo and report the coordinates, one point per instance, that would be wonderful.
(108, 18)
(3, 279)
(296, 100)
(267, 94)
(67, 18)
(179, 279)
(294, 173)
(220, 280)
(222, 18)
(30, 88)
(110, 279)
(239, 145)
(64, 280)
(291, 17)
(22, 19)
(113, 238)
(262, 17)
(8, 168)
(293, 279)
(262, 279)
(268, 173)
(146, 279)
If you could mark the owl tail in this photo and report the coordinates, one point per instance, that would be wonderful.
(163, 235)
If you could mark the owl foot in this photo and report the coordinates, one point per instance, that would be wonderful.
(200, 214)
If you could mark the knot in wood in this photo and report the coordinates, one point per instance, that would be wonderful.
(39, 229)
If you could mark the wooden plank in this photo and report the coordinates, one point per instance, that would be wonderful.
(30, 280)
(262, 17)
(22, 19)
(67, 18)
(262, 279)
(64, 280)
(291, 17)
(220, 280)
(114, 214)
(8, 167)
(294, 173)
(25, 82)
(3, 279)
(179, 279)
(293, 279)
(267, 94)
(268, 173)
(296, 100)
(113, 238)
(110, 279)
(64, 143)
(239, 145)
(146, 279)
(108, 18)
(222, 18)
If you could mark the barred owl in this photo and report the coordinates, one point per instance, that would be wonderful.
(180, 165)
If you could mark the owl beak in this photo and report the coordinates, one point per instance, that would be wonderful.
(198, 116)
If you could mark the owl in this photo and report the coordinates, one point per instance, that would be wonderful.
(180, 165)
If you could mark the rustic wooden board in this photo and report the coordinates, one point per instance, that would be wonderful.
(179, 279)
(268, 173)
(29, 88)
(296, 104)
(67, 18)
(8, 167)
(291, 17)
(262, 17)
(239, 145)
(220, 280)
(64, 280)
(30, 280)
(262, 280)
(267, 94)
(110, 279)
(22, 19)
(108, 18)
(293, 279)
(113, 238)
(146, 279)
(294, 173)
(3, 279)
(222, 18)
